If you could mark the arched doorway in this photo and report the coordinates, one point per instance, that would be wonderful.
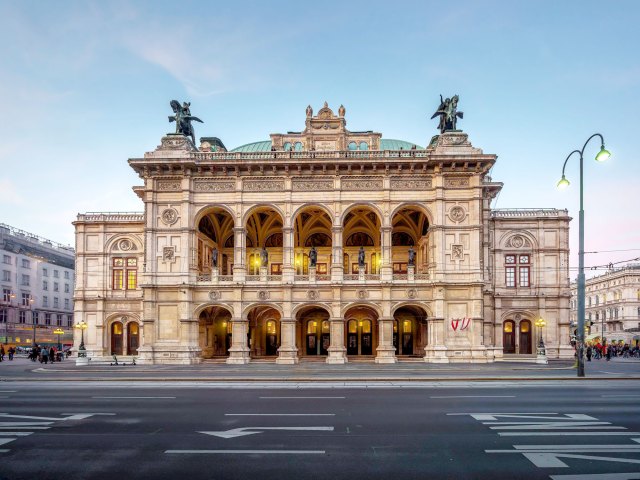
(361, 326)
(264, 241)
(509, 337)
(215, 232)
(264, 331)
(214, 324)
(312, 228)
(525, 337)
(133, 338)
(315, 332)
(410, 229)
(409, 330)
(116, 338)
(361, 228)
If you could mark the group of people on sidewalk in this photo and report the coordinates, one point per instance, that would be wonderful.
(45, 355)
(603, 350)
(11, 351)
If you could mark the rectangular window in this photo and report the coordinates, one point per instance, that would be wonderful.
(510, 259)
(524, 276)
(66, 288)
(69, 320)
(45, 301)
(26, 299)
(6, 276)
(3, 316)
(45, 272)
(66, 275)
(66, 304)
(56, 287)
(45, 285)
(59, 319)
(26, 263)
(35, 318)
(6, 295)
(56, 273)
(56, 302)
(6, 259)
(47, 319)
(125, 273)
(510, 277)
(22, 316)
(25, 280)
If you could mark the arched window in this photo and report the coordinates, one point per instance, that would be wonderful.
(597, 300)
(298, 147)
(364, 146)
(589, 301)
(352, 146)
(286, 147)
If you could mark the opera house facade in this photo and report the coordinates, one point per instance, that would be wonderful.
(322, 244)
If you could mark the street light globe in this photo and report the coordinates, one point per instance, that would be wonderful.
(563, 183)
(603, 155)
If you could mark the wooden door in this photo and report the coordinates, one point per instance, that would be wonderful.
(509, 337)
(133, 338)
(525, 337)
(116, 338)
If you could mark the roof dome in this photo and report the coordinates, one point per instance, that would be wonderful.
(385, 144)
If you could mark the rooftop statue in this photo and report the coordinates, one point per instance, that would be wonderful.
(448, 113)
(183, 119)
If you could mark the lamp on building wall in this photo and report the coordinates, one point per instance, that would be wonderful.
(563, 183)
(541, 353)
(82, 326)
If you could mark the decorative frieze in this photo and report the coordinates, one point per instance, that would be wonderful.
(312, 184)
(168, 185)
(411, 183)
(362, 183)
(456, 182)
(214, 185)
(263, 185)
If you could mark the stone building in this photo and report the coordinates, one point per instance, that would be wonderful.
(37, 289)
(612, 305)
(299, 247)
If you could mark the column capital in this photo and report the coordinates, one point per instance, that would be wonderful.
(238, 229)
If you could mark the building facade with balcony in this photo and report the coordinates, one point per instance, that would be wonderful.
(37, 289)
(321, 243)
(612, 305)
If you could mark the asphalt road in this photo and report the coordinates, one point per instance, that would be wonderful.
(197, 430)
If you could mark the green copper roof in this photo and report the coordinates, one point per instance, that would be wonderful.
(385, 144)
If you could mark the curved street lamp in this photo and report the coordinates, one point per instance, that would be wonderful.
(602, 156)
(82, 326)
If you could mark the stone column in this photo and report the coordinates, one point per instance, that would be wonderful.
(337, 350)
(239, 254)
(336, 264)
(386, 352)
(435, 351)
(288, 352)
(386, 270)
(288, 268)
(239, 351)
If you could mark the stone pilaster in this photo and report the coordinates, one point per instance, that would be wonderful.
(239, 351)
(385, 352)
(287, 353)
(337, 350)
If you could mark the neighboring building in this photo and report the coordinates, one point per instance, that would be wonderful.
(37, 289)
(612, 305)
(480, 279)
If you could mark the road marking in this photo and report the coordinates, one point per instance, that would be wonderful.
(145, 398)
(239, 432)
(252, 452)
(279, 414)
(23, 424)
(599, 476)
(8, 391)
(473, 396)
(4, 397)
(15, 434)
(542, 434)
(4, 450)
(271, 398)
(14, 426)
(607, 396)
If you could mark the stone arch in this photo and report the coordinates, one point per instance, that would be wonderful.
(373, 306)
(412, 303)
(370, 205)
(256, 207)
(299, 209)
(252, 305)
(307, 306)
(113, 241)
(402, 206)
(204, 210)
(506, 238)
(203, 306)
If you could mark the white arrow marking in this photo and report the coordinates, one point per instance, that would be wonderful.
(6, 440)
(239, 432)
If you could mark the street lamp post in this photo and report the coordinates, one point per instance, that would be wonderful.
(541, 356)
(82, 326)
(59, 331)
(33, 320)
(600, 157)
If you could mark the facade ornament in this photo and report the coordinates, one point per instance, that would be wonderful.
(309, 111)
(169, 216)
(214, 257)
(362, 294)
(341, 111)
(361, 257)
(313, 294)
(168, 254)
(264, 257)
(517, 241)
(411, 257)
(125, 244)
(263, 295)
(313, 256)
(457, 214)
(214, 295)
(183, 118)
(448, 113)
(412, 293)
(457, 252)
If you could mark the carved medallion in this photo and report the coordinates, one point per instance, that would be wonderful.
(169, 216)
(313, 294)
(362, 294)
(214, 295)
(263, 295)
(168, 254)
(457, 252)
(517, 241)
(125, 244)
(457, 214)
(412, 293)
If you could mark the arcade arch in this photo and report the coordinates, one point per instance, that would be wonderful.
(410, 330)
(361, 331)
(361, 229)
(313, 336)
(264, 331)
(312, 229)
(214, 331)
(215, 230)
(263, 226)
(409, 229)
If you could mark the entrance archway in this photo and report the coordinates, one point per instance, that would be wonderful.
(525, 337)
(361, 331)
(410, 330)
(116, 338)
(214, 324)
(133, 338)
(509, 336)
(264, 331)
(314, 332)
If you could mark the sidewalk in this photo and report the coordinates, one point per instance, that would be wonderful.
(22, 369)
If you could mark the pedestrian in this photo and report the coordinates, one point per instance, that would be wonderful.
(608, 352)
(1, 353)
(589, 353)
(12, 352)
(45, 355)
(52, 354)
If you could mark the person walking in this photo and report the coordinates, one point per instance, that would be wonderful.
(12, 352)
(45, 355)
(589, 353)
(52, 354)
(1, 353)
(608, 352)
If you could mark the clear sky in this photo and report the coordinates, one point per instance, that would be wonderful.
(86, 85)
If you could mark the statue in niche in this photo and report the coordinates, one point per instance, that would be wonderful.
(448, 113)
(264, 257)
(183, 118)
(309, 111)
(214, 257)
(361, 257)
(341, 111)
(313, 256)
(412, 257)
